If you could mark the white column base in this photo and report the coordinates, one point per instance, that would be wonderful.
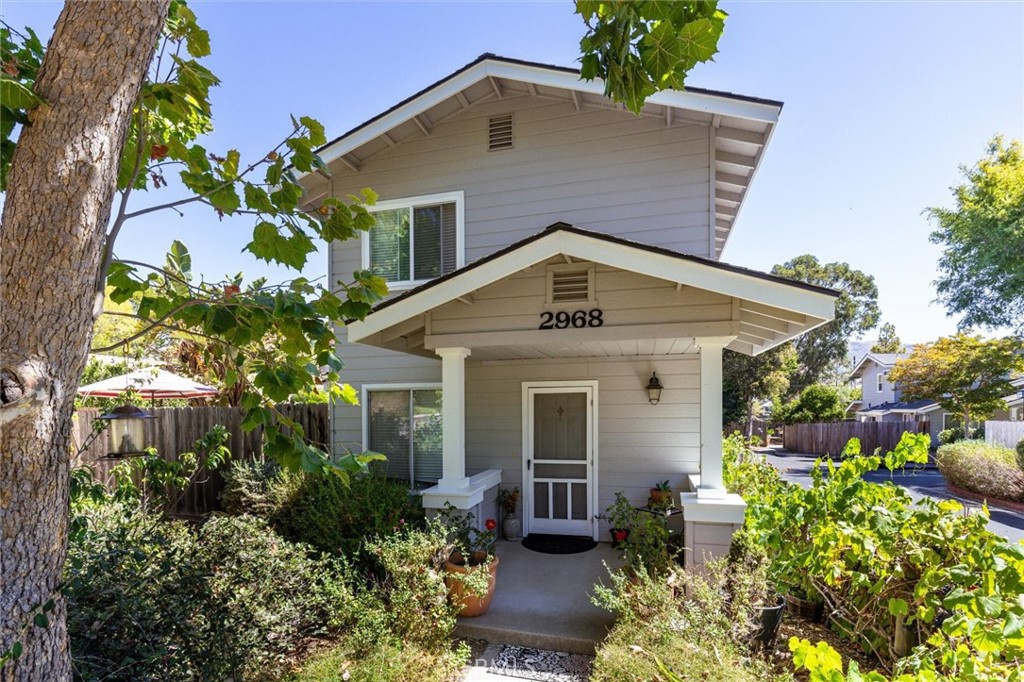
(464, 496)
(708, 526)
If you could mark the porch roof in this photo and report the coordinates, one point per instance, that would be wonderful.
(747, 310)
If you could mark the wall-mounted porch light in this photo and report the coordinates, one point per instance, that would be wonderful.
(654, 388)
(127, 437)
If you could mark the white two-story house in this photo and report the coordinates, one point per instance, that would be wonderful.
(553, 259)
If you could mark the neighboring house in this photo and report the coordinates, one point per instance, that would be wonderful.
(881, 401)
(549, 253)
(1014, 411)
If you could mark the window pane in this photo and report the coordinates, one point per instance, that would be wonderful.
(427, 435)
(389, 245)
(427, 226)
(389, 430)
(447, 238)
(434, 239)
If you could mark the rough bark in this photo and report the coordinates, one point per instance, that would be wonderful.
(60, 191)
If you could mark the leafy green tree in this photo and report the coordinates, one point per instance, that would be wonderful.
(820, 350)
(816, 403)
(888, 342)
(116, 106)
(981, 270)
(644, 46)
(136, 115)
(746, 380)
(964, 374)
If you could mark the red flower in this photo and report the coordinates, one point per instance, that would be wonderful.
(491, 524)
(620, 535)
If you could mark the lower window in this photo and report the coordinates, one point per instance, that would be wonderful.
(404, 424)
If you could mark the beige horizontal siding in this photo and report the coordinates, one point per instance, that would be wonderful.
(598, 169)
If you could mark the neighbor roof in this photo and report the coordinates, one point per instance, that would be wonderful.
(880, 359)
(901, 407)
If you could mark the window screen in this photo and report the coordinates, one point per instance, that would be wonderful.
(405, 426)
(415, 243)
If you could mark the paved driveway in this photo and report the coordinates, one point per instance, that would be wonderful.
(919, 483)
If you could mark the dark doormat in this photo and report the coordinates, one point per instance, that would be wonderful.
(558, 544)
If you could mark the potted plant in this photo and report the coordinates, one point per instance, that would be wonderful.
(508, 501)
(621, 515)
(661, 495)
(472, 568)
(747, 582)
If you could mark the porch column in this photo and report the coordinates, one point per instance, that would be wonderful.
(711, 481)
(453, 417)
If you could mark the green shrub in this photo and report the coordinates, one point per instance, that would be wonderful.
(816, 403)
(389, 661)
(1020, 453)
(684, 626)
(982, 468)
(409, 590)
(324, 510)
(877, 556)
(947, 436)
(156, 600)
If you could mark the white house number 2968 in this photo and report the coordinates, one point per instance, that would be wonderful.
(578, 319)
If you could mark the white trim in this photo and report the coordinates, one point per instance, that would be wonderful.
(453, 417)
(694, 101)
(728, 509)
(590, 388)
(364, 404)
(457, 197)
(585, 247)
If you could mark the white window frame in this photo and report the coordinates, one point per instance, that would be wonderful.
(459, 198)
(365, 391)
(881, 381)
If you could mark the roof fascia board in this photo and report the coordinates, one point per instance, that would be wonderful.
(686, 99)
(540, 76)
(622, 256)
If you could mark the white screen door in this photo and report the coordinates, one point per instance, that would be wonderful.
(560, 457)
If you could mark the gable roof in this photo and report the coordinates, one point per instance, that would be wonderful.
(900, 407)
(742, 125)
(880, 359)
(795, 307)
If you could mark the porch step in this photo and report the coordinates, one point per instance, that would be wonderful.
(542, 601)
(502, 634)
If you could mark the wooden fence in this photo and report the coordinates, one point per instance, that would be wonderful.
(1007, 434)
(176, 429)
(831, 438)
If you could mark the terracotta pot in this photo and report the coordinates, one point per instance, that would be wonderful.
(471, 606)
(660, 498)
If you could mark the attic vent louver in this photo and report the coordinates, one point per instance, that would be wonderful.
(499, 132)
(570, 286)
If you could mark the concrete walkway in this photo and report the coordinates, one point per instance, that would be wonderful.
(926, 482)
(543, 600)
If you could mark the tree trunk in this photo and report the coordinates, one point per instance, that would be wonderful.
(60, 190)
(967, 423)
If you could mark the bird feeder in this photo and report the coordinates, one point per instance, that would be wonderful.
(127, 434)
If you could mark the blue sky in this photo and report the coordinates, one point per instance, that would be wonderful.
(883, 102)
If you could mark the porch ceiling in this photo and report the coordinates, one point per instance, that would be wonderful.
(651, 302)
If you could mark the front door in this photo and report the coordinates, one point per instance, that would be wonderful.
(559, 452)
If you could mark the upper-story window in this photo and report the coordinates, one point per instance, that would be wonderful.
(881, 381)
(416, 239)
